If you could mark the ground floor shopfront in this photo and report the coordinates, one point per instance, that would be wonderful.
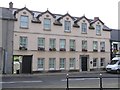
(44, 61)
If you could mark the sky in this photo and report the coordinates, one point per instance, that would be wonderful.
(106, 10)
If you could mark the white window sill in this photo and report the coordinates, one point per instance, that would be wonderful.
(51, 68)
(68, 31)
(62, 68)
(47, 29)
(40, 69)
(72, 68)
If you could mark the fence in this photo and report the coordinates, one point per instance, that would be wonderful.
(100, 82)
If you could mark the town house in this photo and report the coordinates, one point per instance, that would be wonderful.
(52, 42)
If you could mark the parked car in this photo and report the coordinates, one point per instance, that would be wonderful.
(114, 65)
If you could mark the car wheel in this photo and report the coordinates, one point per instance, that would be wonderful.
(118, 71)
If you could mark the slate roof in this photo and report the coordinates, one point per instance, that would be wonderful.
(96, 21)
(82, 18)
(6, 13)
(46, 12)
(67, 14)
(115, 35)
(10, 14)
(18, 10)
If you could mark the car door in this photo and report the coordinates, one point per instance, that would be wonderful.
(119, 65)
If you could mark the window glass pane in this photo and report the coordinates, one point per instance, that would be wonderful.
(84, 44)
(72, 63)
(84, 27)
(98, 29)
(41, 42)
(102, 45)
(72, 44)
(95, 62)
(62, 43)
(52, 43)
(47, 23)
(67, 26)
(40, 63)
(102, 62)
(24, 21)
(23, 41)
(62, 63)
(95, 45)
(52, 63)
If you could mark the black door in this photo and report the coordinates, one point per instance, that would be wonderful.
(84, 63)
(27, 64)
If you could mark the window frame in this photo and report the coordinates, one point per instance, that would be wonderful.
(95, 60)
(72, 45)
(24, 23)
(84, 45)
(102, 46)
(98, 29)
(41, 45)
(42, 63)
(84, 27)
(62, 65)
(52, 43)
(102, 62)
(95, 45)
(21, 44)
(46, 24)
(72, 62)
(67, 26)
(52, 63)
(63, 44)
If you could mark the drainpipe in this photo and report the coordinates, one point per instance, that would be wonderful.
(111, 53)
(6, 50)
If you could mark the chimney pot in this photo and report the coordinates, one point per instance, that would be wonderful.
(96, 18)
(10, 5)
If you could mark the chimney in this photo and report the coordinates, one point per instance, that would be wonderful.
(96, 18)
(10, 5)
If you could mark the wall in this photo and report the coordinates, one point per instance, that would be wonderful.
(8, 27)
(36, 30)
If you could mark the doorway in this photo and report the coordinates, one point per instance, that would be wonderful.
(27, 64)
(22, 64)
(84, 63)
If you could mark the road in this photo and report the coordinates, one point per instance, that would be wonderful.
(59, 81)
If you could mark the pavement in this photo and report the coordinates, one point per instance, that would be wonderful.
(55, 73)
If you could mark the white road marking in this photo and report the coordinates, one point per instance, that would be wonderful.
(80, 79)
(7, 82)
(73, 79)
(92, 78)
(22, 82)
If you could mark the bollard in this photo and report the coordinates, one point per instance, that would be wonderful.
(67, 76)
(101, 82)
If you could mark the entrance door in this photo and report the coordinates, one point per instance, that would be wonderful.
(27, 64)
(84, 63)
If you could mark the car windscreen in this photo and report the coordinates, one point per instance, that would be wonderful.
(113, 62)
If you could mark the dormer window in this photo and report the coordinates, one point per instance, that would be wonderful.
(67, 26)
(47, 24)
(84, 27)
(24, 21)
(98, 29)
